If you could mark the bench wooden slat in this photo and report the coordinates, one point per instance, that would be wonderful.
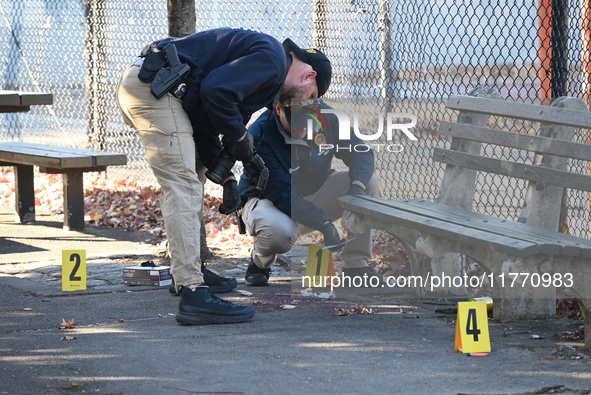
(9, 98)
(105, 159)
(518, 170)
(527, 142)
(439, 227)
(569, 245)
(467, 219)
(34, 98)
(545, 239)
(48, 159)
(57, 157)
(15, 98)
(532, 112)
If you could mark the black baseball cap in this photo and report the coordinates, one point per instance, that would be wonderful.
(314, 58)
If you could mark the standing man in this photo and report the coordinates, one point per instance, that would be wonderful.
(182, 94)
(303, 189)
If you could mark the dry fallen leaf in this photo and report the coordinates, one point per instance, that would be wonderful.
(67, 324)
(361, 309)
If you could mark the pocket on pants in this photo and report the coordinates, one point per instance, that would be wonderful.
(169, 153)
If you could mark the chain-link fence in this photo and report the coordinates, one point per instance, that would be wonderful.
(410, 55)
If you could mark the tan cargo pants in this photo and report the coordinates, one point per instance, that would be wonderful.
(167, 137)
(275, 233)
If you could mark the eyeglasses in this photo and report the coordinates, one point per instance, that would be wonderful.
(297, 114)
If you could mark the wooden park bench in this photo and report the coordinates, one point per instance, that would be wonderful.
(518, 256)
(70, 162)
(14, 101)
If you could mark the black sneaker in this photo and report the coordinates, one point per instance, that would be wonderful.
(215, 282)
(255, 276)
(373, 278)
(201, 307)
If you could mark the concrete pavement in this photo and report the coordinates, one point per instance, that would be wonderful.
(127, 341)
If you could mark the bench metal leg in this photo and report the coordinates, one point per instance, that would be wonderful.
(25, 193)
(73, 200)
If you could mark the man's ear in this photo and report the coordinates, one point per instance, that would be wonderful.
(278, 109)
(309, 75)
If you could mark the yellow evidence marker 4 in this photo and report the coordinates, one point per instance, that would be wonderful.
(472, 335)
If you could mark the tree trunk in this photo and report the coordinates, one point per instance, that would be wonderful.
(181, 17)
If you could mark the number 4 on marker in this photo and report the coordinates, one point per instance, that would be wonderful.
(73, 270)
(472, 324)
(472, 328)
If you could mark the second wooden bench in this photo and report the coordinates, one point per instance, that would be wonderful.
(70, 162)
(525, 260)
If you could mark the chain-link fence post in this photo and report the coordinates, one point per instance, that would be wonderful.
(319, 25)
(559, 61)
(586, 46)
(95, 62)
(14, 63)
(545, 49)
(386, 53)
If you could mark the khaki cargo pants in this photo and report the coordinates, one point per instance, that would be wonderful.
(167, 137)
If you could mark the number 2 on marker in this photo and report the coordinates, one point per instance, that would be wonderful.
(73, 270)
(76, 259)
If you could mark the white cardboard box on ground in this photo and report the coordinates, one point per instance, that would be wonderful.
(147, 275)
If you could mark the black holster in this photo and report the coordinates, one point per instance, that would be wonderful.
(152, 64)
(163, 70)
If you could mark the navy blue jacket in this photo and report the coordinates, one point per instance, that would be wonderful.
(234, 73)
(298, 168)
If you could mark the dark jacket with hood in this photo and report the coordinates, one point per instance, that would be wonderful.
(298, 168)
(234, 73)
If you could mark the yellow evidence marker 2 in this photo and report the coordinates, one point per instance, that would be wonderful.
(73, 270)
(472, 334)
(320, 268)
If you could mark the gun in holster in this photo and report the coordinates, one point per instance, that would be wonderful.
(170, 76)
(260, 173)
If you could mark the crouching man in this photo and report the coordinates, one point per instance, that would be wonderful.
(302, 189)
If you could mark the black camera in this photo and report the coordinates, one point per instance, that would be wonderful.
(222, 166)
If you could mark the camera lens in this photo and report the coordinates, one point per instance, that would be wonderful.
(221, 168)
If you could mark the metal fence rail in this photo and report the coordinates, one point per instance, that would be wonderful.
(409, 56)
